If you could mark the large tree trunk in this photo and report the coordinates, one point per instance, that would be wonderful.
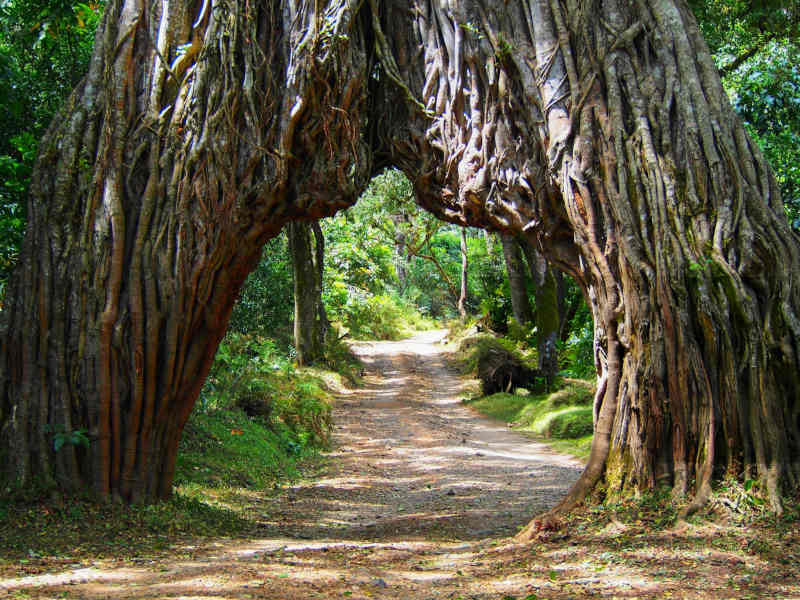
(629, 170)
(307, 252)
(517, 282)
(598, 130)
(201, 128)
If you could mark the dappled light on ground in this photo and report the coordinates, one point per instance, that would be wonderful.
(418, 501)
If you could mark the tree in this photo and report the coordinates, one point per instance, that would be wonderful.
(307, 251)
(462, 295)
(599, 131)
(517, 282)
(551, 313)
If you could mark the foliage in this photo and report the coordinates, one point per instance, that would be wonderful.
(766, 93)
(386, 245)
(266, 306)
(756, 43)
(563, 417)
(45, 46)
(381, 317)
(249, 374)
(76, 437)
(577, 353)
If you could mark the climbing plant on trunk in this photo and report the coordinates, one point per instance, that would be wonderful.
(599, 131)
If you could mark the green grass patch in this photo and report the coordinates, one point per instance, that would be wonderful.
(563, 417)
(229, 449)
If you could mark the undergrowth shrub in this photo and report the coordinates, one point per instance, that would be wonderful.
(475, 347)
(250, 375)
(381, 317)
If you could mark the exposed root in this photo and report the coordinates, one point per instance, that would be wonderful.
(542, 527)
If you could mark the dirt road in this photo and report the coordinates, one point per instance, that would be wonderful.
(417, 491)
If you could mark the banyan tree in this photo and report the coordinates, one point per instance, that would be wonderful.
(596, 129)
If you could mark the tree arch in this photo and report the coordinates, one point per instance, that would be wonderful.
(599, 130)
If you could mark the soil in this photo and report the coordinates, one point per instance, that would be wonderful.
(418, 500)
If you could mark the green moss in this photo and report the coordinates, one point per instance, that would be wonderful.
(617, 465)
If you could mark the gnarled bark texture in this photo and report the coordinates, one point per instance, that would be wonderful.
(598, 130)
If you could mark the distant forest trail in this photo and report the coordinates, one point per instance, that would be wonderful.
(411, 462)
(417, 501)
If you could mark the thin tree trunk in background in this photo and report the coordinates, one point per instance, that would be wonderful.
(306, 248)
(462, 297)
(400, 249)
(548, 311)
(323, 324)
(487, 238)
(515, 269)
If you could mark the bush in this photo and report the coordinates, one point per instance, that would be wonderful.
(250, 375)
(381, 317)
(473, 349)
(571, 423)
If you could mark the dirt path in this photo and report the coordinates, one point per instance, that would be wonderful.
(413, 463)
(417, 502)
(417, 486)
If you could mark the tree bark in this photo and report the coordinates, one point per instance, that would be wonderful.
(598, 131)
(307, 251)
(515, 268)
(630, 171)
(199, 131)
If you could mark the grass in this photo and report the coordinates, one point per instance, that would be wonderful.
(563, 418)
(229, 449)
